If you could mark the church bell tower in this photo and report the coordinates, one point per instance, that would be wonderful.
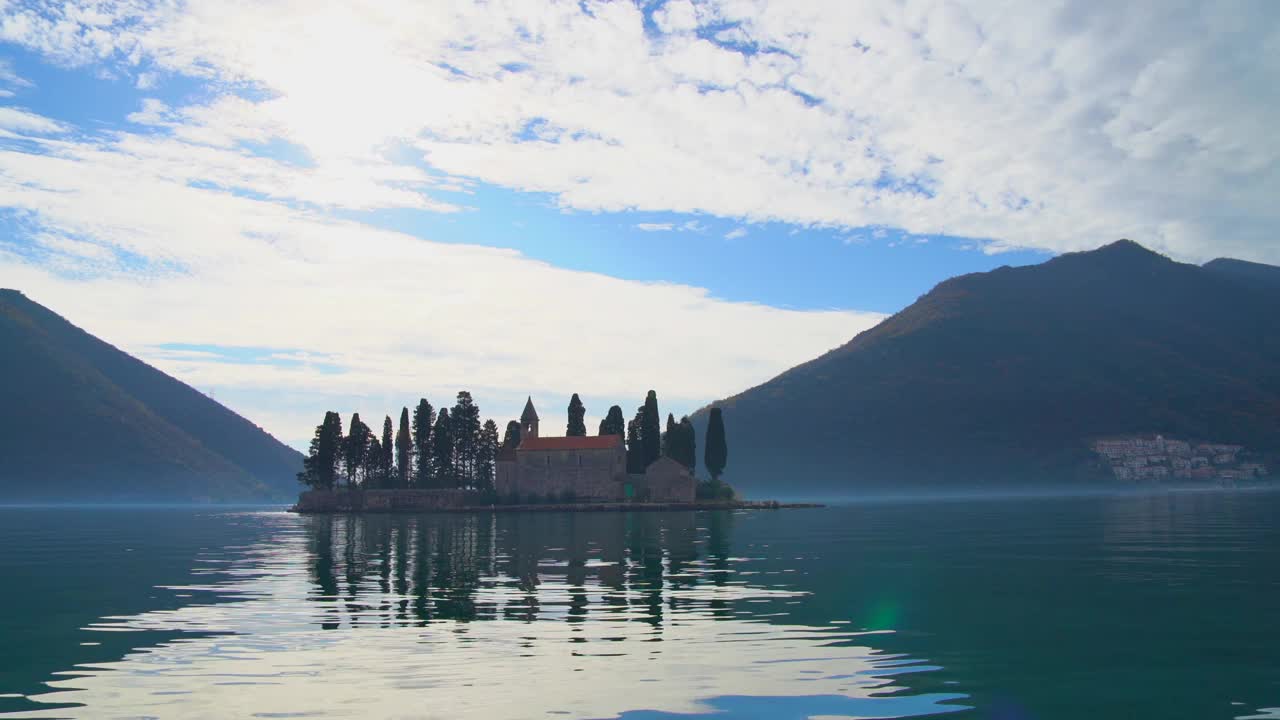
(529, 421)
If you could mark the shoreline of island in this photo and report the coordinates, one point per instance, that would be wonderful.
(320, 502)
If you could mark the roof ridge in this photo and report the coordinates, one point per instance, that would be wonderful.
(571, 442)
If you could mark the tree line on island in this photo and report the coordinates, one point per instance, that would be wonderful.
(452, 448)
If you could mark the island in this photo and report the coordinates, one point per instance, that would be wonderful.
(450, 462)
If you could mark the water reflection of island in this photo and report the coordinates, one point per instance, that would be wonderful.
(645, 617)
(416, 569)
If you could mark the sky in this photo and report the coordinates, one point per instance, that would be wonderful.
(298, 206)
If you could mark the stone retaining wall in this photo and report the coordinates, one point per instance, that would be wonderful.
(384, 500)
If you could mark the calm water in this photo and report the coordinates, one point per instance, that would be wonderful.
(1136, 607)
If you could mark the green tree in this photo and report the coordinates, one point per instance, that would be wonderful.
(424, 420)
(355, 448)
(613, 423)
(577, 412)
(717, 451)
(635, 444)
(688, 448)
(651, 429)
(512, 437)
(487, 456)
(464, 423)
(442, 465)
(373, 477)
(404, 450)
(669, 437)
(320, 467)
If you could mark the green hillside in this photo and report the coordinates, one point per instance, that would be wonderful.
(85, 422)
(1004, 377)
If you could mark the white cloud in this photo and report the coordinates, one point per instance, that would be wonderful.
(1059, 126)
(736, 233)
(676, 16)
(10, 76)
(138, 255)
(24, 121)
(153, 112)
(694, 226)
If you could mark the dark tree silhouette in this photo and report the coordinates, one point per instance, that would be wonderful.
(464, 423)
(635, 444)
(424, 420)
(577, 412)
(442, 463)
(404, 451)
(688, 445)
(651, 429)
(355, 448)
(373, 477)
(614, 423)
(487, 456)
(669, 439)
(512, 437)
(320, 467)
(387, 455)
(717, 451)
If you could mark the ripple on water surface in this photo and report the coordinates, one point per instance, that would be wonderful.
(639, 617)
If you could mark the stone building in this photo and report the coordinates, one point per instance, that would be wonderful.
(666, 480)
(583, 469)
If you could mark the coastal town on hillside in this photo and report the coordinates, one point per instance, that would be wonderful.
(1156, 458)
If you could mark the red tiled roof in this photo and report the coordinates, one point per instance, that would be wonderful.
(586, 442)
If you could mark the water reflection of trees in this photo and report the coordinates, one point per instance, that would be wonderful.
(389, 570)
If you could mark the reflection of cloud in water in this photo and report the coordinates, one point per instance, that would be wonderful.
(346, 619)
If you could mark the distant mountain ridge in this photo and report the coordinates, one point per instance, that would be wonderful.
(1260, 276)
(1004, 377)
(85, 421)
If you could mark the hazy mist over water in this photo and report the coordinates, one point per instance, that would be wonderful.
(1103, 606)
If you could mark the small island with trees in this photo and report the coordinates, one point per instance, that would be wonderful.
(448, 460)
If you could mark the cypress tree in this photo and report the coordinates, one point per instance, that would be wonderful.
(512, 437)
(355, 448)
(464, 423)
(442, 468)
(424, 420)
(373, 478)
(613, 423)
(487, 454)
(688, 445)
(387, 456)
(717, 451)
(320, 467)
(404, 450)
(670, 438)
(577, 412)
(635, 444)
(651, 429)
(331, 450)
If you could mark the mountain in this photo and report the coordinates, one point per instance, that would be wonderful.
(1004, 377)
(1262, 277)
(84, 421)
